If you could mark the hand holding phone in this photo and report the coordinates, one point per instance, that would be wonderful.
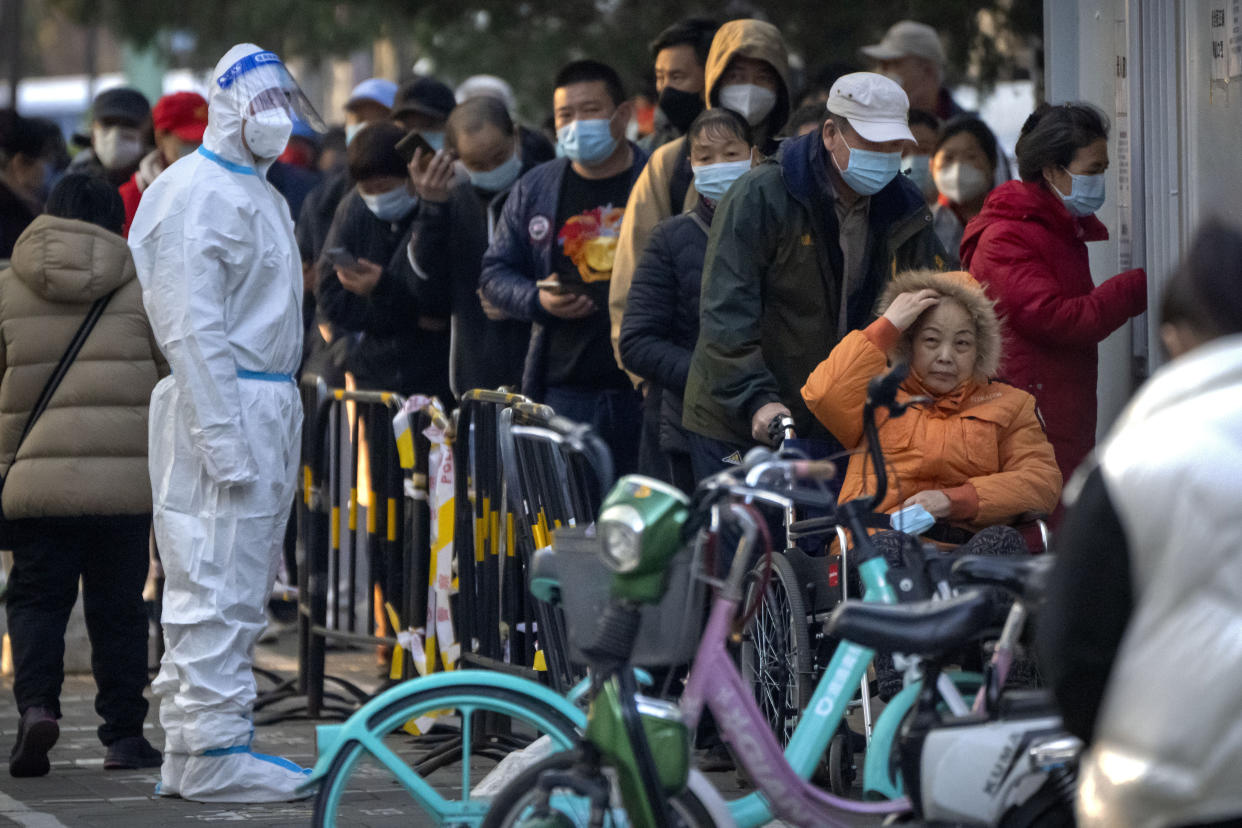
(552, 285)
(412, 143)
(432, 174)
(342, 258)
(567, 301)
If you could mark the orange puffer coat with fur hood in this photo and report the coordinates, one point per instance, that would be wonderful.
(982, 444)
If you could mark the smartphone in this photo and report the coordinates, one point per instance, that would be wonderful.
(412, 141)
(560, 288)
(340, 257)
(552, 286)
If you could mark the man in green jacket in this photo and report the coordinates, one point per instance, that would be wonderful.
(800, 249)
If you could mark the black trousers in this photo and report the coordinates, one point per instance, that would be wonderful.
(109, 554)
(652, 460)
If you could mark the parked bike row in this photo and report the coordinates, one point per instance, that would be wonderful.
(564, 576)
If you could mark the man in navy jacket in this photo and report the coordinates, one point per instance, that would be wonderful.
(559, 228)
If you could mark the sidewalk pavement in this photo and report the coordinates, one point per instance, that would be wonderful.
(78, 793)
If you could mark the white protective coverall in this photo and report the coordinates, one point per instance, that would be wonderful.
(222, 283)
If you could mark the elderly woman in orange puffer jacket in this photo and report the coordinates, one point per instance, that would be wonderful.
(976, 455)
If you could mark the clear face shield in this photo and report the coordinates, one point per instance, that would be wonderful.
(262, 89)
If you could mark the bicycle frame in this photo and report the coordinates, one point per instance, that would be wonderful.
(781, 776)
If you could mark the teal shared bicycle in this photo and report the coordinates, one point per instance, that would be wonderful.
(370, 751)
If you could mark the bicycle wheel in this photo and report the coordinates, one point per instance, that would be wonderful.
(569, 804)
(841, 771)
(776, 649)
(375, 756)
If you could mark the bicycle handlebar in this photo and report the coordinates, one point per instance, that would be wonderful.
(762, 468)
(882, 389)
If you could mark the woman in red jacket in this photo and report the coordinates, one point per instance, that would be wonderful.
(1028, 247)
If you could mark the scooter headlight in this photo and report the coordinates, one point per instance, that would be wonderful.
(621, 528)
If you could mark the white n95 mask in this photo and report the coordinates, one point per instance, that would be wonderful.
(267, 135)
(960, 182)
(749, 100)
(116, 146)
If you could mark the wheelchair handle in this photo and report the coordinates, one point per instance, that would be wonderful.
(781, 427)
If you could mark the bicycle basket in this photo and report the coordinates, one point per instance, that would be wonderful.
(669, 632)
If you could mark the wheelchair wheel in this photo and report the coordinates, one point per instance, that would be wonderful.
(841, 771)
(375, 756)
(776, 648)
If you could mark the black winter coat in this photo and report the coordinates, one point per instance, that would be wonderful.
(661, 322)
(316, 212)
(447, 243)
(16, 213)
(403, 344)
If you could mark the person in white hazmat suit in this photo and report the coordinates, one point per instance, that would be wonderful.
(222, 283)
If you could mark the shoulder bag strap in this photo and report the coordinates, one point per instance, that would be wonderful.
(62, 367)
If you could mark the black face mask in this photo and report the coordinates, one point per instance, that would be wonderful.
(681, 108)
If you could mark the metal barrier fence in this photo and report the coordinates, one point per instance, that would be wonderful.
(348, 442)
(521, 473)
(528, 472)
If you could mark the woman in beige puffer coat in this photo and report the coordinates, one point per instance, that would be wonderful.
(77, 494)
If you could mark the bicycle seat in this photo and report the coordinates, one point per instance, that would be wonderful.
(1024, 578)
(919, 628)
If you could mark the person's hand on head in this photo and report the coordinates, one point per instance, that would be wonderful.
(360, 279)
(936, 503)
(759, 422)
(565, 305)
(432, 178)
(908, 306)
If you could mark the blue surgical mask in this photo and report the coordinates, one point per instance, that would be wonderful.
(869, 171)
(351, 130)
(918, 169)
(497, 178)
(435, 138)
(587, 142)
(713, 180)
(1086, 194)
(393, 205)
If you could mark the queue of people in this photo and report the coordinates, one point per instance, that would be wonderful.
(744, 262)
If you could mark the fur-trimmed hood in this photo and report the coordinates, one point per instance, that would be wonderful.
(962, 288)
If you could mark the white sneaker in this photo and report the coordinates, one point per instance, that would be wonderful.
(237, 774)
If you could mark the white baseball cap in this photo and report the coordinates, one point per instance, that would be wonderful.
(876, 106)
(907, 37)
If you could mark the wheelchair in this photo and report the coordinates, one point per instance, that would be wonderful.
(784, 649)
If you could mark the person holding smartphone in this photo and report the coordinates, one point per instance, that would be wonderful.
(364, 276)
(561, 224)
(452, 227)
